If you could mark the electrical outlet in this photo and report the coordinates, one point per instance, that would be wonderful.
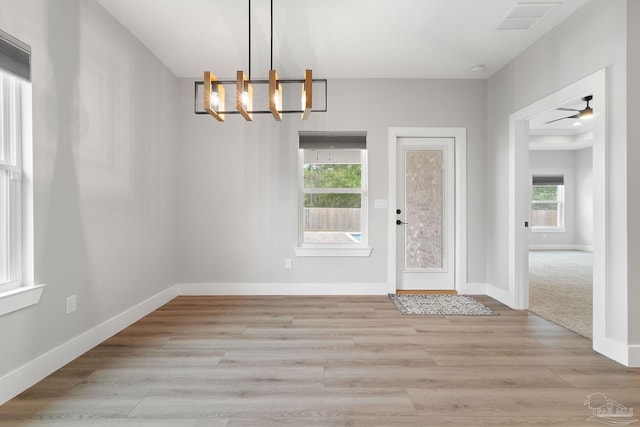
(287, 264)
(71, 304)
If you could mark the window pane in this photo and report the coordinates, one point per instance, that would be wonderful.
(545, 206)
(545, 217)
(332, 200)
(323, 175)
(332, 218)
(343, 218)
(544, 192)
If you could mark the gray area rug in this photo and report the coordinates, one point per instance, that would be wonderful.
(451, 305)
(561, 288)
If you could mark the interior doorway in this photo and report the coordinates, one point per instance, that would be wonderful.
(561, 228)
(520, 193)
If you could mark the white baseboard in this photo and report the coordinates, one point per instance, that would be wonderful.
(500, 294)
(613, 349)
(283, 288)
(35, 370)
(476, 288)
(634, 356)
(535, 247)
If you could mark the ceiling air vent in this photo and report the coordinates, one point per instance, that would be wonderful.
(525, 15)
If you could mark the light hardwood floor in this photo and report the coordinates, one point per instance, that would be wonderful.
(326, 361)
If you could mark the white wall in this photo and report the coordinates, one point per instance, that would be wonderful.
(584, 197)
(238, 181)
(557, 162)
(556, 60)
(105, 154)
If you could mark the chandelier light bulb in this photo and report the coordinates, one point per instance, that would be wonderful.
(215, 100)
(245, 99)
(276, 99)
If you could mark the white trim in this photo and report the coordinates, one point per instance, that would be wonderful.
(634, 356)
(460, 148)
(35, 370)
(542, 229)
(476, 288)
(19, 298)
(339, 252)
(617, 351)
(561, 247)
(282, 288)
(500, 294)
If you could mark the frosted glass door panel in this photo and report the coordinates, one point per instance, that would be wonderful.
(424, 245)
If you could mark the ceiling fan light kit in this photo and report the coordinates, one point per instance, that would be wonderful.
(585, 114)
(213, 91)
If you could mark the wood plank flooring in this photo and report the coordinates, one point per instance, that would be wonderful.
(326, 361)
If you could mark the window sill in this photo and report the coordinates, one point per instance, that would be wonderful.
(547, 230)
(19, 298)
(333, 251)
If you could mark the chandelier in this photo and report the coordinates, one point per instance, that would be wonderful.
(212, 91)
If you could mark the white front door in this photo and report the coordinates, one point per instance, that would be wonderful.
(425, 214)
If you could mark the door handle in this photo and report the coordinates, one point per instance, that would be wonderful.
(399, 222)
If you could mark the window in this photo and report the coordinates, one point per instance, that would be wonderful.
(547, 203)
(333, 191)
(17, 288)
(10, 177)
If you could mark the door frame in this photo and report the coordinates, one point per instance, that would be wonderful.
(459, 134)
(518, 293)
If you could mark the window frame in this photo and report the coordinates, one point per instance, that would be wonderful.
(20, 290)
(12, 114)
(559, 202)
(360, 248)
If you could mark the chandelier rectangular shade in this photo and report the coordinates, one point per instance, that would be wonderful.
(307, 91)
(275, 95)
(290, 95)
(214, 101)
(244, 96)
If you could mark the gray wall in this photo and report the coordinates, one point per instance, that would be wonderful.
(556, 60)
(562, 163)
(577, 167)
(584, 197)
(105, 172)
(238, 181)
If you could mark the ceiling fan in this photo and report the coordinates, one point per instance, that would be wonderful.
(584, 114)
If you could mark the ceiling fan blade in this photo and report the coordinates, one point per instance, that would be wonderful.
(567, 109)
(575, 116)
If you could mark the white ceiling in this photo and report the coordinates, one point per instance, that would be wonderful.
(335, 38)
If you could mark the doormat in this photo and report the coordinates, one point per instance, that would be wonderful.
(449, 305)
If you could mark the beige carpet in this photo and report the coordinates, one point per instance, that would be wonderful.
(560, 288)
